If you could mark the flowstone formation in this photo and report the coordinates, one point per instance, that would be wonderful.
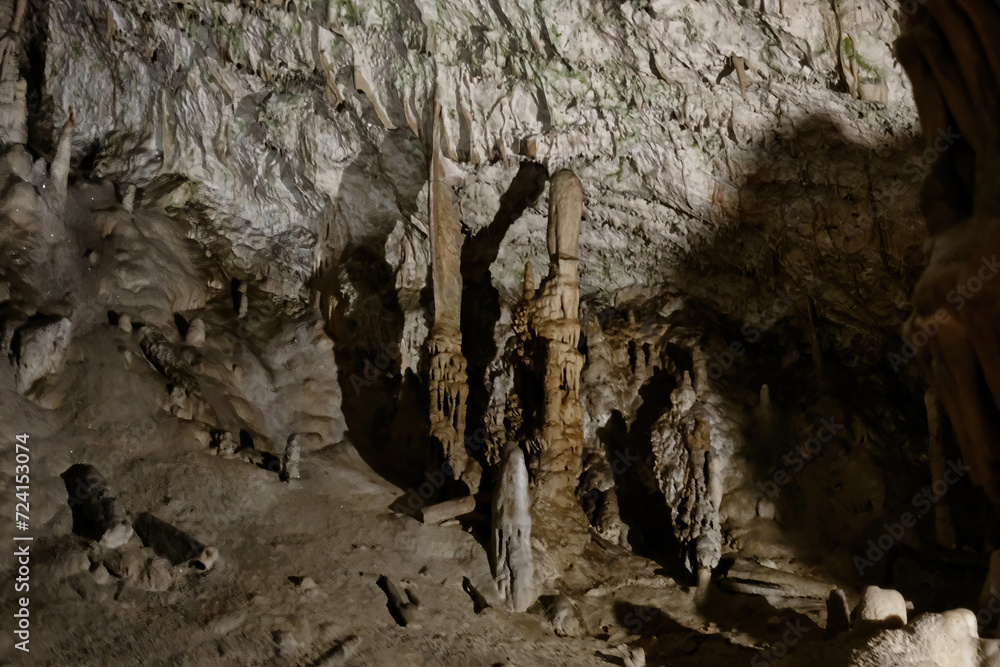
(689, 474)
(448, 379)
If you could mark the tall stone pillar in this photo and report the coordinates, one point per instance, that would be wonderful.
(554, 319)
(448, 379)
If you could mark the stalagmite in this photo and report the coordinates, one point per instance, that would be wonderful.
(510, 551)
(448, 379)
(554, 318)
(60, 163)
(290, 460)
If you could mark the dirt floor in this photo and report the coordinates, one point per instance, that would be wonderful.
(297, 581)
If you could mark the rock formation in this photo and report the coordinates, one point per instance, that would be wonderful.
(553, 321)
(225, 163)
(953, 60)
(290, 459)
(41, 347)
(511, 559)
(448, 380)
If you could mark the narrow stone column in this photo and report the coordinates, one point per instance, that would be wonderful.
(555, 319)
(448, 379)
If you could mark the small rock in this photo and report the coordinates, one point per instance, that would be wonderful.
(40, 348)
(877, 92)
(341, 653)
(449, 509)
(881, 607)
(564, 617)
(766, 509)
(101, 575)
(196, 332)
(285, 643)
(224, 444)
(838, 612)
(306, 584)
(207, 559)
(225, 624)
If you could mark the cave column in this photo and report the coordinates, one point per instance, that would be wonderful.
(448, 378)
(556, 321)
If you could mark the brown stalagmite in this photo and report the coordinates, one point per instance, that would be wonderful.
(555, 319)
(448, 378)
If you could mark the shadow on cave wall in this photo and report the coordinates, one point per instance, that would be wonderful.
(810, 363)
(481, 300)
(385, 410)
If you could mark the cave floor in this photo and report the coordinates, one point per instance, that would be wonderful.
(300, 561)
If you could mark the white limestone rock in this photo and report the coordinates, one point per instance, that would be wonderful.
(511, 559)
(41, 350)
(881, 606)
